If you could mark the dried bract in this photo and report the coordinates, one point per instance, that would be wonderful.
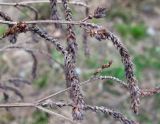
(18, 28)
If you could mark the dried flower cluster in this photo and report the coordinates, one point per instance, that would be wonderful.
(54, 13)
(72, 77)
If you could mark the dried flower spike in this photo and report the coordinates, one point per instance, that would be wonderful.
(72, 78)
(114, 114)
(104, 66)
(102, 34)
(99, 13)
(54, 13)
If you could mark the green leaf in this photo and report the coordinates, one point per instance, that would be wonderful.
(40, 117)
(2, 29)
(138, 31)
(135, 31)
(116, 72)
(42, 81)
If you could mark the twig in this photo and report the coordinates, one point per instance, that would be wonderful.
(9, 105)
(115, 114)
(53, 113)
(94, 78)
(40, 1)
(106, 111)
(50, 22)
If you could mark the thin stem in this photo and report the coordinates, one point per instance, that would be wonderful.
(39, 1)
(49, 22)
(84, 83)
(17, 105)
(8, 105)
(53, 113)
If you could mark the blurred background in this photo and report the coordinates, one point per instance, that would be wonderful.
(135, 22)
